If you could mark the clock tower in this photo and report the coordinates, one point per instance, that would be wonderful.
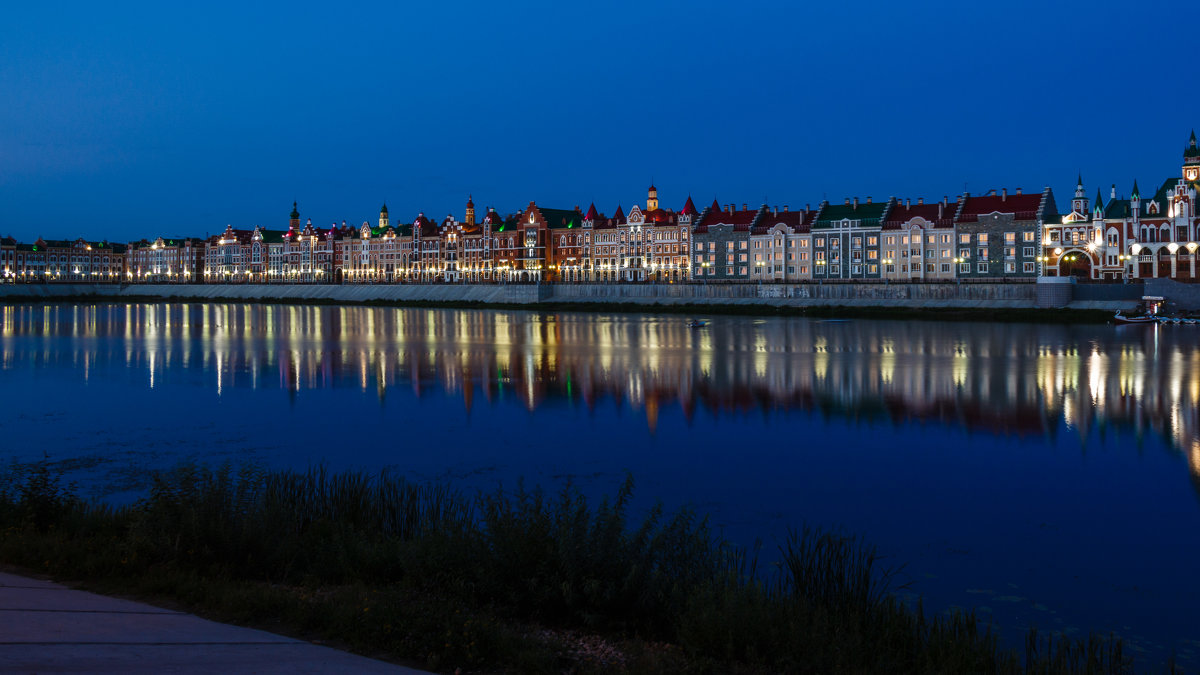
(1191, 161)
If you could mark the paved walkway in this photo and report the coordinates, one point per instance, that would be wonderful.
(48, 628)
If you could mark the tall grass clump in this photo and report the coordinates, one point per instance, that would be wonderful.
(427, 573)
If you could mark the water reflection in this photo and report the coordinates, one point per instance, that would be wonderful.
(1025, 380)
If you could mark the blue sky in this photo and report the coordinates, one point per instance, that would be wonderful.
(144, 119)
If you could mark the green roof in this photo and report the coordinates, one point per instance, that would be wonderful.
(1118, 208)
(561, 218)
(869, 214)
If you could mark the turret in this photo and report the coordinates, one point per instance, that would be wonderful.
(294, 219)
(469, 216)
(383, 217)
(652, 196)
(1080, 203)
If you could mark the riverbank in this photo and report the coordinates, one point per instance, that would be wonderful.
(971, 302)
(507, 581)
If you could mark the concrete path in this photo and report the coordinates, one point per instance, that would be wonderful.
(48, 628)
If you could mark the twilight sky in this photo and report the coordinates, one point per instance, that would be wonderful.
(147, 119)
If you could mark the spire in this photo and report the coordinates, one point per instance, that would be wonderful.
(689, 209)
(294, 218)
(1192, 153)
(1136, 194)
(619, 215)
(591, 212)
(383, 209)
(1080, 181)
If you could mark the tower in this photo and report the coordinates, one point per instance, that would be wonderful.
(1080, 203)
(294, 220)
(652, 198)
(1191, 161)
(469, 219)
(383, 217)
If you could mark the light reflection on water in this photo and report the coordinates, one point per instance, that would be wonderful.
(982, 455)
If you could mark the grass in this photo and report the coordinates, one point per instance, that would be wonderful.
(513, 580)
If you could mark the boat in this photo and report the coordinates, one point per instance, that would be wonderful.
(1122, 320)
(697, 323)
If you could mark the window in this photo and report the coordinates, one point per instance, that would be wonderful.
(819, 241)
(728, 271)
(982, 254)
(1027, 236)
(803, 270)
(1010, 237)
(872, 255)
(729, 246)
(872, 269)
(856, 269)
(964, 268)
(982, 268)
(983, 238)
(889, 268)
(742, 271)
(743, 245)
(945, 253)
(872, 241)
(1027, 267)
(1027, 251)
(964, 238)
(741, 257)
(1010, 267)
(699, 246)
(964, 253)
(1010, 251)
(945, 238)
(890, 240)
(857, 242)
(945, 268)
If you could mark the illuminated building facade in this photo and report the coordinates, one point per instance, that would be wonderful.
(845, 239)
(721, 242)
(997, 235)
(918, 241)
(780, 246)
(172, 261)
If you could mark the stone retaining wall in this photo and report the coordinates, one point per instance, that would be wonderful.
(941, 295)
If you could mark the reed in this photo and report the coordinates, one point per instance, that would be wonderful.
(503, 580)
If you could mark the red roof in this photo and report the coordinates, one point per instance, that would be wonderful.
(619, 216)
(902, 214)
(1025, 207)
(689, 209)
(591, 213)
(740, 220)
(800, 221)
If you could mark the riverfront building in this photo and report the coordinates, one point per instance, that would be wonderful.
(995, 236)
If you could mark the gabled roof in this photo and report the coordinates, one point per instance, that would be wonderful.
(741, 221)
(799, 221)
(937, 213)
(591, 213)
(423, 226)
(561, 218)
(689, 209)
(1118, 208)
(869, 213)
(8, 241)
(1022, 206)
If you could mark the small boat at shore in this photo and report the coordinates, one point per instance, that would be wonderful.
(697, 323)
(1122, 320)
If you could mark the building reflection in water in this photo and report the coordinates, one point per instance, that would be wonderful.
(1015, 379)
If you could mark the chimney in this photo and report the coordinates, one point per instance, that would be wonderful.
(856, 202)
(785, 209)
(847, 201)
(729, 208)
(1004, 195)
(868, 199)
(745, 206)
(775, 211)
(991, 193)
(1018, 190)
(920, 201)
(808, 206)
(1113, 194)
(941, 211)
(907, 203)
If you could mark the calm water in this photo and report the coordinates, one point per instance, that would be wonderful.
(1045, 475)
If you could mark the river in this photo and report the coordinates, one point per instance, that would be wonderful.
(1043, 475)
